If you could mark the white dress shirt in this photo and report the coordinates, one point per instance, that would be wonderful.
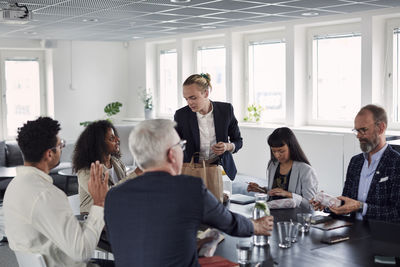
(367, 173)
(207, 134)
(39, 219)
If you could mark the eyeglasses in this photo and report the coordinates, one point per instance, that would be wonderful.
(61, 145)
(363, 130)
(181, 143)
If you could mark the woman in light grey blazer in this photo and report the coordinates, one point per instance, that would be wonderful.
(289, 172)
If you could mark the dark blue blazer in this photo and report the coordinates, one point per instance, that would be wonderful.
(383, 197)
(226, 130)
(152, 220)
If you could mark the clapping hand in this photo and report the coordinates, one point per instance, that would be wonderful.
(97, 186)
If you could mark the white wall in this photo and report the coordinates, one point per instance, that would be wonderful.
(100, 72)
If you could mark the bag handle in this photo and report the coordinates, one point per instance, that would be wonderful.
(204, 174)
(195, 154)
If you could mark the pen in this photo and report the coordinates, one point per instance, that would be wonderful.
(259, 188)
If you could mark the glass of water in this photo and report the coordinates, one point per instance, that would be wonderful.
(305, 221)
(244, 251)
(285, 234)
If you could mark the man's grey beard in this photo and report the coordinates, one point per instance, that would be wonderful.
(369, 145)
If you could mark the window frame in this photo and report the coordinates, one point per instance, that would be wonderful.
(212, 42)
(390, 78)
(337, 29)
(268, 37)
(21, 54)
(159, 48)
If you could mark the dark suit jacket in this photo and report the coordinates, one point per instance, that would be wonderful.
(152, 220)
(226, 129)
(384, 195)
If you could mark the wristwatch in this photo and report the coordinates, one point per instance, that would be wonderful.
(361, 208)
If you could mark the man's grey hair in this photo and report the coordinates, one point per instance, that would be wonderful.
(378, 113)
(150, 140)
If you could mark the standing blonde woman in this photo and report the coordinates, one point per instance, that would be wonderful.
(209, 127)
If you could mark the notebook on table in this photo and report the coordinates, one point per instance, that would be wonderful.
(242, 199)
(332, 224)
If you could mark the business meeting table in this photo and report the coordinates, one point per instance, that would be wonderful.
(359, 250)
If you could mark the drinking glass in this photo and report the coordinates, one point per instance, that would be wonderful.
(244, 251)
(285, 234)
(295, 231)
(305, 221)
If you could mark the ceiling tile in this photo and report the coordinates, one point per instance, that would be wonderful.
(315, 3)
(192, 11)
(230, 5)
(160, 17)
(356, 7)
(200, 20)
(144, 7)
(388, 3)
(64, 11)
(274, 18)
(234, 15)
(273, 9)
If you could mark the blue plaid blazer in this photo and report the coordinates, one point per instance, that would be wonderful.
(383, 197)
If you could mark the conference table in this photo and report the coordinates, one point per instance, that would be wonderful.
(359, 250)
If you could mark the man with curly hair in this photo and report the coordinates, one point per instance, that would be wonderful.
(38, 217)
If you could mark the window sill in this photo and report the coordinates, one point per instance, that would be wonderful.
(308, 128)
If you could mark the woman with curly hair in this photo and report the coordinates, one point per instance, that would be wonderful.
(99, 141)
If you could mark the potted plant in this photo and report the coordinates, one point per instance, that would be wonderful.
(147, 99)
(253, 113)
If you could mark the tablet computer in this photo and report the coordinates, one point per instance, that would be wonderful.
(242, 199)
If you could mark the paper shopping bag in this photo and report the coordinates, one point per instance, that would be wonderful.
(210, 174)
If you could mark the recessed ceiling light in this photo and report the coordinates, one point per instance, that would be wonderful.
(310, 14)
(208, 27)
(136, 37)
(179, 1)
(90, 20)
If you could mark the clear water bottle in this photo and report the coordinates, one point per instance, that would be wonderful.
(260, 210)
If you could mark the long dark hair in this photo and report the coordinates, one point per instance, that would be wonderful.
(91, 145)
(285, 136)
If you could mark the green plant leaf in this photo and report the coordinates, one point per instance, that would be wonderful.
(112, 108)
(85, 123)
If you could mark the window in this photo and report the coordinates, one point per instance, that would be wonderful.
(211, 59)
(336, 76)
(267, 78)
(22, 94)
(168, 84)
(396, 85)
